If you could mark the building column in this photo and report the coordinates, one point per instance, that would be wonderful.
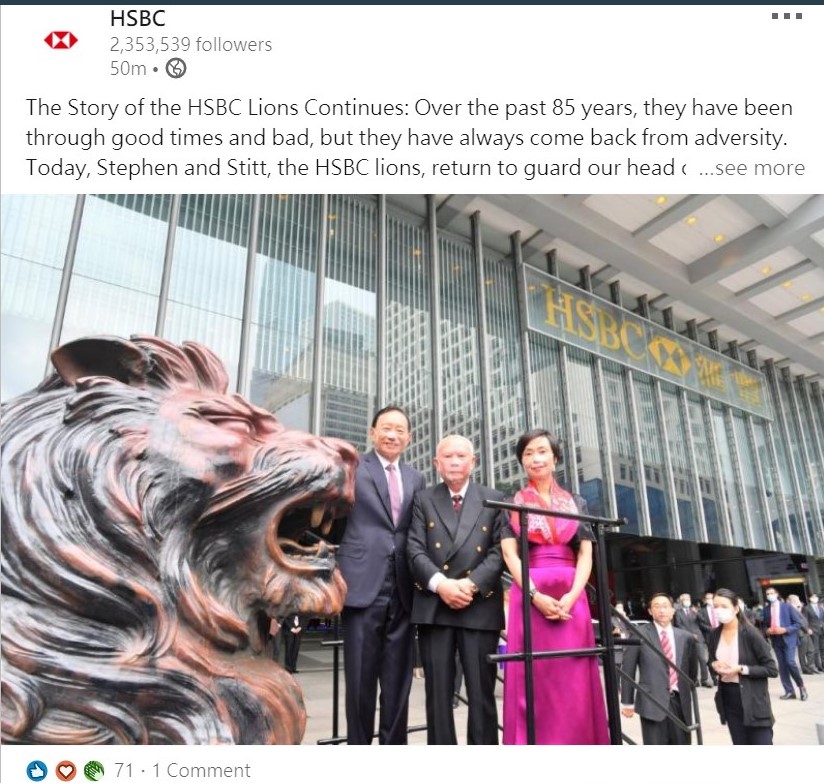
(487, 453)
(65, 280)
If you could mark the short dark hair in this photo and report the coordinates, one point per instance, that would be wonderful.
(732, 597)
(531, 435)
(661, 595)
(389, 409)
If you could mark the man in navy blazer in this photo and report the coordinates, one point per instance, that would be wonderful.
(782, 623)
(378, 637)
(455, 559)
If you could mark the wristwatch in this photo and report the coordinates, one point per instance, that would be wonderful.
(533, 591)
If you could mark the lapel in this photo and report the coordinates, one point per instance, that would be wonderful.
(470, 511)
(442, 500)
(679, 648)
(408, 480)
(378, 474)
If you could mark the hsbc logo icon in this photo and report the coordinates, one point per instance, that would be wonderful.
(61, 40)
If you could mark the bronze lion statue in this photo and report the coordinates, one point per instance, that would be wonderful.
(152, 524)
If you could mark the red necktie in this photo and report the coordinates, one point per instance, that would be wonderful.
(667, 647)
(456, 503)
(775, 622)
(394, 493)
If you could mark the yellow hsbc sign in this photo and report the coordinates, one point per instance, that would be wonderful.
(579, 318)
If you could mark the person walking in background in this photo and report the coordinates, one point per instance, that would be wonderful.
(686, 617)
(569, 697)
(815, 617)
(292, 631)
(658, 683)
(743, 661)
(378, 637)
(806, 658)
(782, 624)
(706, 622)
(454, 552)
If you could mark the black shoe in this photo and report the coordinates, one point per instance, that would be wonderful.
(803, 692)
(788, 696)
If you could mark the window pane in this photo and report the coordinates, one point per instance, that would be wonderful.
(32, 251)
(283, 318)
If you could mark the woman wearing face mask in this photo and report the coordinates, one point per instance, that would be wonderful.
(743, 660)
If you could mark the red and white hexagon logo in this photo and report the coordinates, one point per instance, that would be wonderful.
(61, 40)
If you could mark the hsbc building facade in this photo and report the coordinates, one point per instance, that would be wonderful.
(325, 308)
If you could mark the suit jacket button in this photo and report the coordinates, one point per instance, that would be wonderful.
(479, 549)
(446, 566)
(431, 524)
(484, 528)
(437, 545)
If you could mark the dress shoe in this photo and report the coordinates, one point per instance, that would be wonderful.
(787, 696)
(804, 695)
(707, 684)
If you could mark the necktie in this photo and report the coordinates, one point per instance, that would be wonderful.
(456, 503)
(394, 492)
(713, 621)
(774, 621)
(667, 648)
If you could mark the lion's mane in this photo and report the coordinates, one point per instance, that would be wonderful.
(141, 551)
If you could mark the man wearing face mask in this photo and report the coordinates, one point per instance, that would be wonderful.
(782, 624)
(815, 617)
(686, 617)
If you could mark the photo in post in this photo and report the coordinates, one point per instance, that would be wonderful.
(609, 233)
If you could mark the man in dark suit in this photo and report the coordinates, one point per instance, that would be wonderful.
(658, 684)
(815, 617)
(782, 624)
(456, 563)
(706, 622)
(686, 617)
(378, 636)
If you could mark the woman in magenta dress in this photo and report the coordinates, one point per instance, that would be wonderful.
(569, 697)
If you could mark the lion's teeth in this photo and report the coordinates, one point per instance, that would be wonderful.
(317, 515)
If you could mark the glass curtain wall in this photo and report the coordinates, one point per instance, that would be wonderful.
(459, 342)
(800, 459)
(707, 474)
(653, 458)
(587, 439)
(771, 480)
(349, 320)
(506, 418)
(546, 391)
(624, 461)
(757, 523)
(408, 360)
(683, 473)
(283, 315)
(209, 275)
(33, 246)
(118, 266)
(729, 476)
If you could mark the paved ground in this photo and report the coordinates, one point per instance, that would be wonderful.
(795, 720)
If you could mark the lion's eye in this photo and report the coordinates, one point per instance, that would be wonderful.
(241, 426)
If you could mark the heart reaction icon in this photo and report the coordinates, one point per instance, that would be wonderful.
(65, 770)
